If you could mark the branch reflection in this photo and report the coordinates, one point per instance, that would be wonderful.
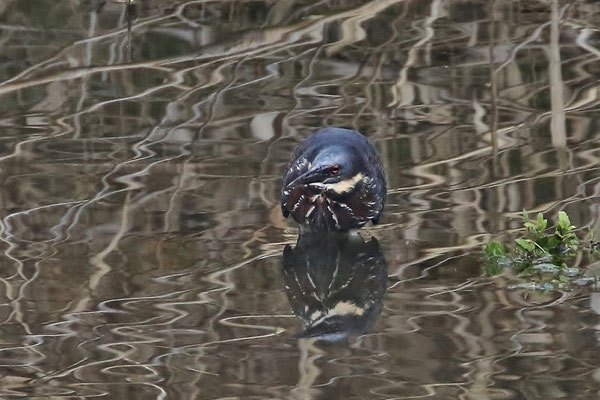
(335, 284)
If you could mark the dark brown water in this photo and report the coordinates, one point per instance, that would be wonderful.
(141, 153)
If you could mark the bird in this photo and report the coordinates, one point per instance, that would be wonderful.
(334, 182)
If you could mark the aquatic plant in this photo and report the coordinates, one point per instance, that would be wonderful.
(541, 254)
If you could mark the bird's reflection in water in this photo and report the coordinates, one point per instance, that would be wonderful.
(335, 283)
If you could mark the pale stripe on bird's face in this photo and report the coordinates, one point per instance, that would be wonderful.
(341, 187)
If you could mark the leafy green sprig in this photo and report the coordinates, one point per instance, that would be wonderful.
(540, 251)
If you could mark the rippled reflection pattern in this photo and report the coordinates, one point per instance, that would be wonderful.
(141, 149)
(335, 284)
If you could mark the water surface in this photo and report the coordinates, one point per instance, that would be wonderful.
(141, 152)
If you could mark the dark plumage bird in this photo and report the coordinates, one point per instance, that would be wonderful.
(334, 182)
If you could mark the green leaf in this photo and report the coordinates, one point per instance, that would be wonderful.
(495, 249)
(563, 221)
(529, 225)
(552, 242)
(543, 241)
(526, 244)
(564, 279)
(541, 223)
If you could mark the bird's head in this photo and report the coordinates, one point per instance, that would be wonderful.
(335, 168)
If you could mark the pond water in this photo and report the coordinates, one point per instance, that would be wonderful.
(144, 254)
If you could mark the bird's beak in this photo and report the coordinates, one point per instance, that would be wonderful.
(314, 175)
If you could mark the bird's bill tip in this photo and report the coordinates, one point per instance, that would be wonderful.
(311, 176)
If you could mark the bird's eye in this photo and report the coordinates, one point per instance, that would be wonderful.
(335, 169)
